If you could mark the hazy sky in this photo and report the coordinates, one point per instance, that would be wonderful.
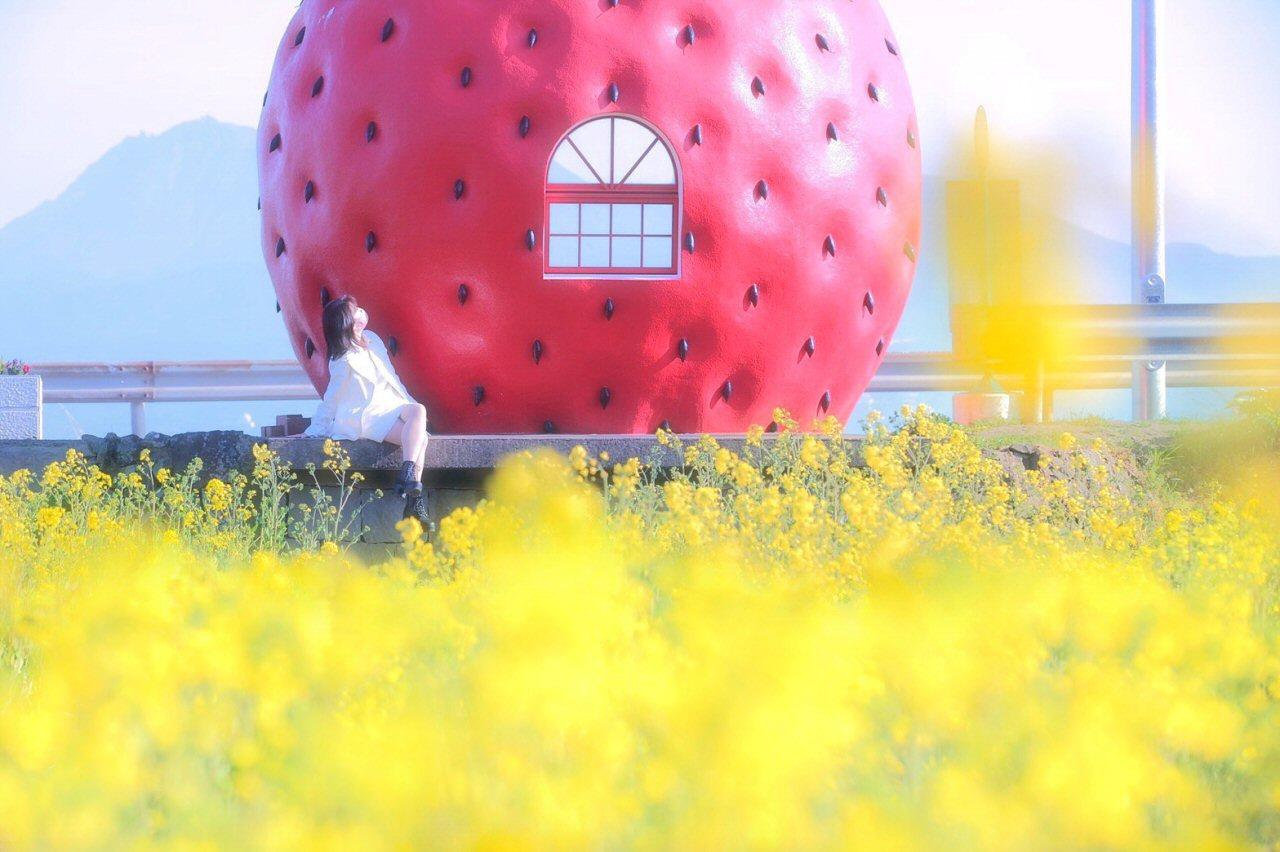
(77, 76)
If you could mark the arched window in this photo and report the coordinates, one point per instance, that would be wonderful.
(613, 203)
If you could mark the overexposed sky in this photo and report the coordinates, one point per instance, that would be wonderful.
(1055, 74)
(77, 76)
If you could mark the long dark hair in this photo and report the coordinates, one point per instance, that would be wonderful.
(339, 326)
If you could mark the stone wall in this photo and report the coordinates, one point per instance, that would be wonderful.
(457, 466)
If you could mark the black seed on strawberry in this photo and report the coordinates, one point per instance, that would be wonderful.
(880, 346)
(525, 123)
(279, 246)
(477, 394)
(822, 42)
(459, 187)
(466, 77)
(763, 189)
(892, 48)
(683, 349)
(388, 29)
(753, 295)
(697, 134)
(825, 402)
(688, 242)
(325, 298)
(310, 347)
(370, 242)
(393, 346)
(689, 36)
(910, 251)
(614, 92)
(309, 192)
(869, 302)
(665, 426)
(727, 390)
(317, 87)
(530, 239)
(810, 346)
(874, 92)
(371, 132)
(829, 245)
(464, 292)
(832, 133)
(608, 308)
(757, 86)
(549, 427)
(537, 351)
(533, 37)
(275, 143)
(882, 197)
(302, 33)
(605, 396)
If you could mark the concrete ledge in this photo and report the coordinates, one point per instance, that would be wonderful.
(465, 453)
(20, 407)
(227, 451)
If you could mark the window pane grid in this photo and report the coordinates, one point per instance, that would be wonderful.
(636, 236)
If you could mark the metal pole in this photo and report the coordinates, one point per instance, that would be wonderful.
(138, 418)
(1148, 272)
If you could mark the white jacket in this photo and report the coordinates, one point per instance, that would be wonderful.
(360, 403)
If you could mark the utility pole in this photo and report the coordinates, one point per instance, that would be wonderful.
(1148, 271)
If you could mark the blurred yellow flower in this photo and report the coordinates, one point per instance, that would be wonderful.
(796, 646)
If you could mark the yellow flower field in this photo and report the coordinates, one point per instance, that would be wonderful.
(787, 646)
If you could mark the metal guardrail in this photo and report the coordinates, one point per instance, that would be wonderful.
(1095, 346)
(175, 381)
(141, 382)
(1222, 345)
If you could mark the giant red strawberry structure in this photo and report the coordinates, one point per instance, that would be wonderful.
(597, 216)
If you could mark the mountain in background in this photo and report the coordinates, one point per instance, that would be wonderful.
(151, 254)
(154, 254)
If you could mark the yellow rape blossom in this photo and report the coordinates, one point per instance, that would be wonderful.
(811, 644)
(217, 495)
(49, 517)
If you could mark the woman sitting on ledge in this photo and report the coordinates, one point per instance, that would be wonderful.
(365, 399)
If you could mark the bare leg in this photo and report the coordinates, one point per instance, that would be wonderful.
(422, 453)
(410, 433)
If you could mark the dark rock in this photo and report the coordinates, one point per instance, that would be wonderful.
(222, 453)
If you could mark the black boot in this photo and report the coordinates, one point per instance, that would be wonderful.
(415, 506)
(408, 479)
